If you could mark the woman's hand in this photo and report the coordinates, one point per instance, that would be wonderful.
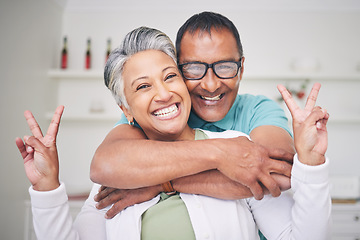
(40, 154)
(309, 126)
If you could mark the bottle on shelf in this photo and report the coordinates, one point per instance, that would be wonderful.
(64, 54)
(88, 55)
(108, 49)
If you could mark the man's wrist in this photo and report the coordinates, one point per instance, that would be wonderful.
(168, 188)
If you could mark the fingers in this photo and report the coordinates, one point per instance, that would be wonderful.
(34, 143)
(289, 101)
(311, 100)
(115, 209)
(21, 146)
(55, 122)
(318, 117)
(280, 167)
(270, 184)
(103, 193)
(256, 190)
(280, 154)
(33, 125)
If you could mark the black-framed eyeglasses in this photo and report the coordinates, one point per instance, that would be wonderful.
(222, 69)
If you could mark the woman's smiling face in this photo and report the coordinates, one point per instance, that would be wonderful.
(157, 95)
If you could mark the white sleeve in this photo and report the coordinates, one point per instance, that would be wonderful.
(52, 219)
(303, 214)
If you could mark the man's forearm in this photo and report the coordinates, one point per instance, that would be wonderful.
(273, 137)
(134, 163)
(212, 183)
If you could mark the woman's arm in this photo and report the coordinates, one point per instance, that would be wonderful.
(49, 201)
(306, 215)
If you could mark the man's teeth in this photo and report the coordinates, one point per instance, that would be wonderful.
(167, 111)
(212, 98)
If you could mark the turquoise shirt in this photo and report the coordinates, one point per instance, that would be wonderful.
(247, 113)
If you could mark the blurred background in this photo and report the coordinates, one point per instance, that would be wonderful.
(295, 43)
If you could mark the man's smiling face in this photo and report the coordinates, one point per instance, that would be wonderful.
(211, 96)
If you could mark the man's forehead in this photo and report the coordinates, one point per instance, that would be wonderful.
(220, 44)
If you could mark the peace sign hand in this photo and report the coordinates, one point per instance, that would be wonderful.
(309, 126)
(40, 154)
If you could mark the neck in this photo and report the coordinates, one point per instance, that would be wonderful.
(187, 134)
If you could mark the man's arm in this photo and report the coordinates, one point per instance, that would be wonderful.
(133, 162)
(273, 137)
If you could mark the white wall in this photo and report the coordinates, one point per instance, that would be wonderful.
(273, 37)
(29, 43)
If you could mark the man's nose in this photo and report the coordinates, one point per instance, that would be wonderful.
(210, 82)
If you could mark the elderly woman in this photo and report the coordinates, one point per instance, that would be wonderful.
(147, 85)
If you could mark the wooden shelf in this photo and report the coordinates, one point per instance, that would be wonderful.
(87, 117)
(75, 74)
(83, 74)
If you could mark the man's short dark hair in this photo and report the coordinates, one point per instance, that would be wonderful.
(204, 22)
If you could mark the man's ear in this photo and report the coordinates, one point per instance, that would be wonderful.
(127, 113)
(242, 67)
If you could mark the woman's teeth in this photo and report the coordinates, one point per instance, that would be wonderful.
(165, 112)
(218, 97)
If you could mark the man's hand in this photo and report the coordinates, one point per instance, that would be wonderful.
(251, 164)
(123, 198)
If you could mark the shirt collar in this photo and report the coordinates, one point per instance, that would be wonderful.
(224, 124)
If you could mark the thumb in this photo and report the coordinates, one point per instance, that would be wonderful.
(34, 143)
(317, 115)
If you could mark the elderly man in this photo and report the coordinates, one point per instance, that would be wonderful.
(211, 60)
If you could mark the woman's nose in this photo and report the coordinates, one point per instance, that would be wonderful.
(162, 93)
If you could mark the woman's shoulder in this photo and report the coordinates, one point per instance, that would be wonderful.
(225, 134)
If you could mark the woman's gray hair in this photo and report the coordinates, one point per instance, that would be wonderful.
(138, 40)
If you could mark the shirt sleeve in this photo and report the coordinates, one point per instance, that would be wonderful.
(122, 120)
(304, 212)
(52, 219)
(267, 112)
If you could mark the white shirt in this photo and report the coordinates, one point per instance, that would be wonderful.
(304, 212)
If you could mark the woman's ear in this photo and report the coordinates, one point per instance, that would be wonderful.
(127, 113)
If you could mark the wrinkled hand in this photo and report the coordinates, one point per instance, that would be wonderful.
(123, 198)
(251, 165)
(40, 154)
(309, 126)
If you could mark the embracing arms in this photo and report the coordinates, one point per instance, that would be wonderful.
(127, 162)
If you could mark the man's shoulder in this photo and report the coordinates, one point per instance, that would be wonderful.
(243, 99)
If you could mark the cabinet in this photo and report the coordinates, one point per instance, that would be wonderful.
(346, 221)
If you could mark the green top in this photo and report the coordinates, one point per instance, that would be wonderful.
(169, 217)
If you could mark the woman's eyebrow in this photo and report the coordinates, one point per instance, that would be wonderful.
(138, 79)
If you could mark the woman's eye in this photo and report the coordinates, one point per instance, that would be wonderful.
(143, 86)
(170, 76)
